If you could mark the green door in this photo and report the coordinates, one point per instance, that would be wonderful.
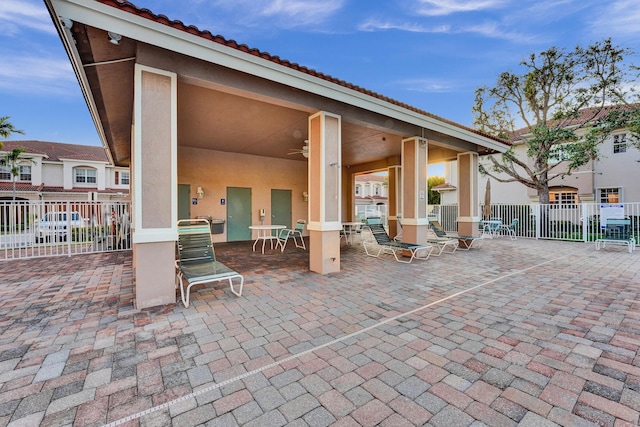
(281, 207)
(184, 201)
(238, 214)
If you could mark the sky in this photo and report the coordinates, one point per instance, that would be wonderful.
(431, 54)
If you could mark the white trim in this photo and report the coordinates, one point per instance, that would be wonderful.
(171, 232)
(155, 235)
(412, 221)
(148, 31)
(324, 226)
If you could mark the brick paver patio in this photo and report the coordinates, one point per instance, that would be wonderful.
(529, 333)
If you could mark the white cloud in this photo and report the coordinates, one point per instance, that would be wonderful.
(428, 85)
(373, 25)
(448, 7)
(494, 30)
(283, 13)
(15, 15)
(618, 18)
(37, 75)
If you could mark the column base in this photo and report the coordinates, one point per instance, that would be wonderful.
(324, 251)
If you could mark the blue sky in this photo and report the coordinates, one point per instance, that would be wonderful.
(431, 54)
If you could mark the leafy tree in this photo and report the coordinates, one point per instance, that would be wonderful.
(569, 101)
(434, 196)
(13, 159)
(7, 129)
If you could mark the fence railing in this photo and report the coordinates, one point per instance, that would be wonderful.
(37, 229)
(581, 222)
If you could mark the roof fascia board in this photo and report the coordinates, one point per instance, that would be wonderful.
(56, 10)
(130, 25)
(71, 159)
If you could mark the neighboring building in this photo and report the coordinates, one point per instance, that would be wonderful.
(54, 171)
(371, 189)
(610, 179)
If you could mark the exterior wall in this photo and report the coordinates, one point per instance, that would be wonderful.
(52, 175)
(214, 171)
(612, 170)
(618, 170)
(70, 165)
(59, 174)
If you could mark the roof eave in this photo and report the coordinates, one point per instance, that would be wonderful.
(146, 30)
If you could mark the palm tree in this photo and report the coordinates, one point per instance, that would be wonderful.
(6, 128)
(13, 160)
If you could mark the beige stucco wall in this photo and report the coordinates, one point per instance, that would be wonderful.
(214, 171)
(619, 170)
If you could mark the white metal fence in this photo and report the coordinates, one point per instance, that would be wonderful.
(581, 222)
(37, 229)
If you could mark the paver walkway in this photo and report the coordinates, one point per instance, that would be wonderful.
(529, 333)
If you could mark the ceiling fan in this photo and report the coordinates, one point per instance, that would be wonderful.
(304, 150)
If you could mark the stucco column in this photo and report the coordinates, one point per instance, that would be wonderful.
(154, 186)
(468, 202)
(414, 190)
(394, 198)
(324, 192)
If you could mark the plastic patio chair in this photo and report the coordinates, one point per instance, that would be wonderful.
(385, 244)
(510, 229)
(287, 233)
(196, 263)
(464, 242)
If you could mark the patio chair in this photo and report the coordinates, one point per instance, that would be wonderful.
(385, 244)
(196, 263)
(510, 229)
(287, 233)
(464, 242)
(398, 237)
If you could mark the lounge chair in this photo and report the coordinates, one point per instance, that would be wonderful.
(509, 229)
(385, 244)
(196, 263)
(287, 233)
(464, 242)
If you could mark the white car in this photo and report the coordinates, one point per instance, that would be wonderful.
(53, 225)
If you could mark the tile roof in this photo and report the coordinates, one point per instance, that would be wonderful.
(20, 186)
(585, 115)
(55, 151)
(205, 34)
(444, 187)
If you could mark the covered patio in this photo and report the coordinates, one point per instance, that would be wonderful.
(529, 333)
(189, 111)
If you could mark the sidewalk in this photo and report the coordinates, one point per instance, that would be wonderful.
(525, 332)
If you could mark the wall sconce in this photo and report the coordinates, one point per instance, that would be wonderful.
(305, 196)
(200, 192)
(114, 38)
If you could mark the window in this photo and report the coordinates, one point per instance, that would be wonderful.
(376, 190)
(122, 177)
(84, 176)
(357, 190)
(559, 153)
(563, 197)
(5, 173)
(620, 143)
(610, 195)
(24, 174)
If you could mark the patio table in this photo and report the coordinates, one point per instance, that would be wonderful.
(264, 234)
(350, 229)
